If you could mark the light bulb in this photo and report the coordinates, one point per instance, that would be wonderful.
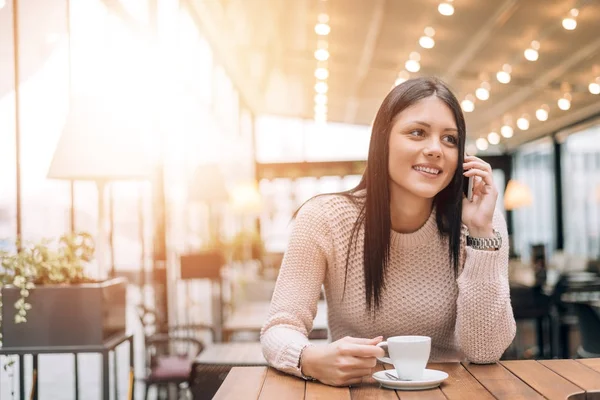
(322, 29)
(569, 24)
(531, 54)
(503, 77)
(493, 138)
(320, 98)
(321, 73)
(523, 123)
(320, 109)
(594, 87)
(412, 66)
(483, 92)
(426, 42)
(564, 103)
(482, 144)
(542, 113)
(471, 149)
(321, 87)
(467, 104)
(507, 131)
(446, 8)
(322, 54)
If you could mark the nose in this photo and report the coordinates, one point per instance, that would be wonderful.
(433, 148)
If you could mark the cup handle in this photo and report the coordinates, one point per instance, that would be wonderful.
(384, 345)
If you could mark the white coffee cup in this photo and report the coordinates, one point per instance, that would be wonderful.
(409, 354)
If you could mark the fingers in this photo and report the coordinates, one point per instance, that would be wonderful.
(361, 350)
(477, 164)
(372, 341)
(486, 176)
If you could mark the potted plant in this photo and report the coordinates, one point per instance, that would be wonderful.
(47, 300)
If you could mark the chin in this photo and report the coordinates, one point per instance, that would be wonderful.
(425, 194)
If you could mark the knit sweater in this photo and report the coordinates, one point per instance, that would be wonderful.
(468, 318)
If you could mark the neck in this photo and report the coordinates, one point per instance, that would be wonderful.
(408, 213)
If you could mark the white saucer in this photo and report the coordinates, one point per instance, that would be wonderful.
(431, 379)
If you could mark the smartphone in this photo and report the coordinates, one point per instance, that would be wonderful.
(468, 187)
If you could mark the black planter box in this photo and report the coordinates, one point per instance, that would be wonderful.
(65, 315)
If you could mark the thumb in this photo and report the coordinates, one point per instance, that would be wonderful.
(372, 341)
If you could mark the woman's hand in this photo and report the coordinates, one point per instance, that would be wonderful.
(343, 362)
(478, 214)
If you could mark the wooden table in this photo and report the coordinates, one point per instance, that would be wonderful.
(251, 316)
(523, 379)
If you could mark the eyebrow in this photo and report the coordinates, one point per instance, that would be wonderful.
(429, 126)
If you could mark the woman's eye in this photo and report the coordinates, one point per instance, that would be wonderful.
(416, 132)
(451, 139)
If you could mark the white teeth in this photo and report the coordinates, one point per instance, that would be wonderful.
(428, 170)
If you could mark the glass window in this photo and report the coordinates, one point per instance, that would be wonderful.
(280, 139)
(581, 192)
(44, 102)
(536, 223)
(8, 207)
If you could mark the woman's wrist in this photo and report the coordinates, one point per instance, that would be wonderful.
(305, 362)
(486, 231)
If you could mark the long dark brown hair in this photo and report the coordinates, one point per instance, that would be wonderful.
(374, 214)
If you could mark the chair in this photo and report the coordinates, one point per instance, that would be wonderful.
(204, 265)
(169, 352)
(530, 303)
(589, 329)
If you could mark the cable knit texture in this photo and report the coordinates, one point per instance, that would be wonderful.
(469, 318)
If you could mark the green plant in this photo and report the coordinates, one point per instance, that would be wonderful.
(46, 262)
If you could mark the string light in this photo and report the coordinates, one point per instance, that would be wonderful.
(594, 86)
(507, 131)
(564, 103)
(427, 41)
(321, 73)
(570, 22)
(320, 98)
(446, 8)
(483, 91)
(413, 65)
(531, 53)
(523, 122)
(321, 87)
(322, 29)
(493, 138)
(468, 104)
(482, 144)
(503, 75)
(471, 149)
(542, 113)
(322, 54)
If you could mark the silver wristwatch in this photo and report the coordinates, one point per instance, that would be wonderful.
(485, 243)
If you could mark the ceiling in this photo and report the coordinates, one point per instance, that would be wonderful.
(268, 48)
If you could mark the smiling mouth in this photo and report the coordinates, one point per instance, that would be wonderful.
(428, 170)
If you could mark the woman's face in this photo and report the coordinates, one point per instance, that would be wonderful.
(423, 149)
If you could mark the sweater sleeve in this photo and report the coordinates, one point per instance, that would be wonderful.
(294, 303)
(485, 325)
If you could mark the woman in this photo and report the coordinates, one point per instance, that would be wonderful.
(400, 254)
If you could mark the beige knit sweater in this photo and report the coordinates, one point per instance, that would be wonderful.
(467, 318)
